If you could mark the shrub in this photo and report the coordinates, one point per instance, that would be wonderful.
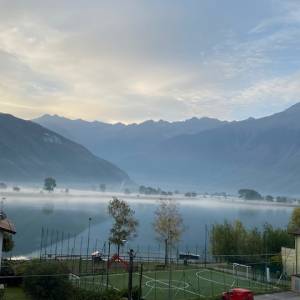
(7, 275)
(47, 281)
(81, 294)
(135, 293)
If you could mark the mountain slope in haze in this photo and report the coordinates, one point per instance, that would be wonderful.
(30, 152)
(257, 153)
(119, 142)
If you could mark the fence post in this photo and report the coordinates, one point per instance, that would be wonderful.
(212, 284)
(141, 282)
(107, 265)
(130, 272)
(42, 240)
(155, 285)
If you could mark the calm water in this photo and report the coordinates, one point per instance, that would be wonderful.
(66, 217)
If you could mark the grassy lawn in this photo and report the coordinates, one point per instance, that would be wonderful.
(15, 294)
(181, 284)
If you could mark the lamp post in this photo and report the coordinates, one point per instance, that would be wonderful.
(130, 272)
(88, 244)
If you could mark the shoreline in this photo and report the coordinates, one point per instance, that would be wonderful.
(96, 196)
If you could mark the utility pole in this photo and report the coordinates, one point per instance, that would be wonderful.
(130, 272)
(166, 252)
(42, 240)
(107, 265)
(88, 247)
(88, 244)
(205, 247)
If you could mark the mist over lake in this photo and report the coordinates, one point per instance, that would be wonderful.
(69, 214)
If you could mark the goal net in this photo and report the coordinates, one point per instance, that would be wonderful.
(75, 280)
(241, 270)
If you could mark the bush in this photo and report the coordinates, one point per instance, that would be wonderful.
(7, 275)
(135, 293)
(81, 294)
(47, 281)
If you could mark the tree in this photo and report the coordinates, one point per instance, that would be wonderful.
(8, 243)
(232, 242)
(127, 191)
(102, 187)
(125, 225)
(49, 184)
(281, 199)
(269, 198)
(295, 220)
(248, 194)
(16, 189)
(168, 224)
(3, 186)
(53, 282)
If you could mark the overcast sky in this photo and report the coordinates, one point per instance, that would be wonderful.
(135, 60)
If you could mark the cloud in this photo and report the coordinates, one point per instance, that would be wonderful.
(130, 61)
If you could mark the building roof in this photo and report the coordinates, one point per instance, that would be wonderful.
(295, 232)
(7, 226)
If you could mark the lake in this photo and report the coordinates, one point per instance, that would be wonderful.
(66, 217)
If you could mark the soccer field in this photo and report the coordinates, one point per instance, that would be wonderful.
(178, 284)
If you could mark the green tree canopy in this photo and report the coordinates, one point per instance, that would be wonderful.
(102, 187)
(249, 194)
(168, 224)
(55, 286)
(125, 224)
(295, 220)
(235, 241)
(49, 184)
(8, 243)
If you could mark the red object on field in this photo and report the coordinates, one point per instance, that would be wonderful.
(118, 259)
(238, 294)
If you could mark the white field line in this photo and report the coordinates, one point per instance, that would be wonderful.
(210, 280)
(227, 284)
(175, 287)
(149, 292)
(103, 284)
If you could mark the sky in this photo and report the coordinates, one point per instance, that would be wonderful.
(132, 60)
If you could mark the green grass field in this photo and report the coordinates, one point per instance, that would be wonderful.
(181, 284)
(15, 294)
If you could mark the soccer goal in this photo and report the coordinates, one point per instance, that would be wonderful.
(75, 280)
(241, 270)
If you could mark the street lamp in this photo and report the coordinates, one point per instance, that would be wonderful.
(88, 245)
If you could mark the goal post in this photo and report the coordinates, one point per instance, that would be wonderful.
(75, 280)
(241, 270)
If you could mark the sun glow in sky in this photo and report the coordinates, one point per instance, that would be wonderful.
(134, 60)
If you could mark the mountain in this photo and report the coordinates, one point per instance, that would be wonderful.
(121, 143)
(201, 154)
(257, 153)
(30, 152)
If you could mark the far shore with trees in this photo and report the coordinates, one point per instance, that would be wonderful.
(250, 194)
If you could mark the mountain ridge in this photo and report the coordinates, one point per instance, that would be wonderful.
(30, 152)
(261, 153)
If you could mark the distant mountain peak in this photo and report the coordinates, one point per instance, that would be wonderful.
(294, 108)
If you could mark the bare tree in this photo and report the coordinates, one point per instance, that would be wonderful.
(125, 224)
(168, 224)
